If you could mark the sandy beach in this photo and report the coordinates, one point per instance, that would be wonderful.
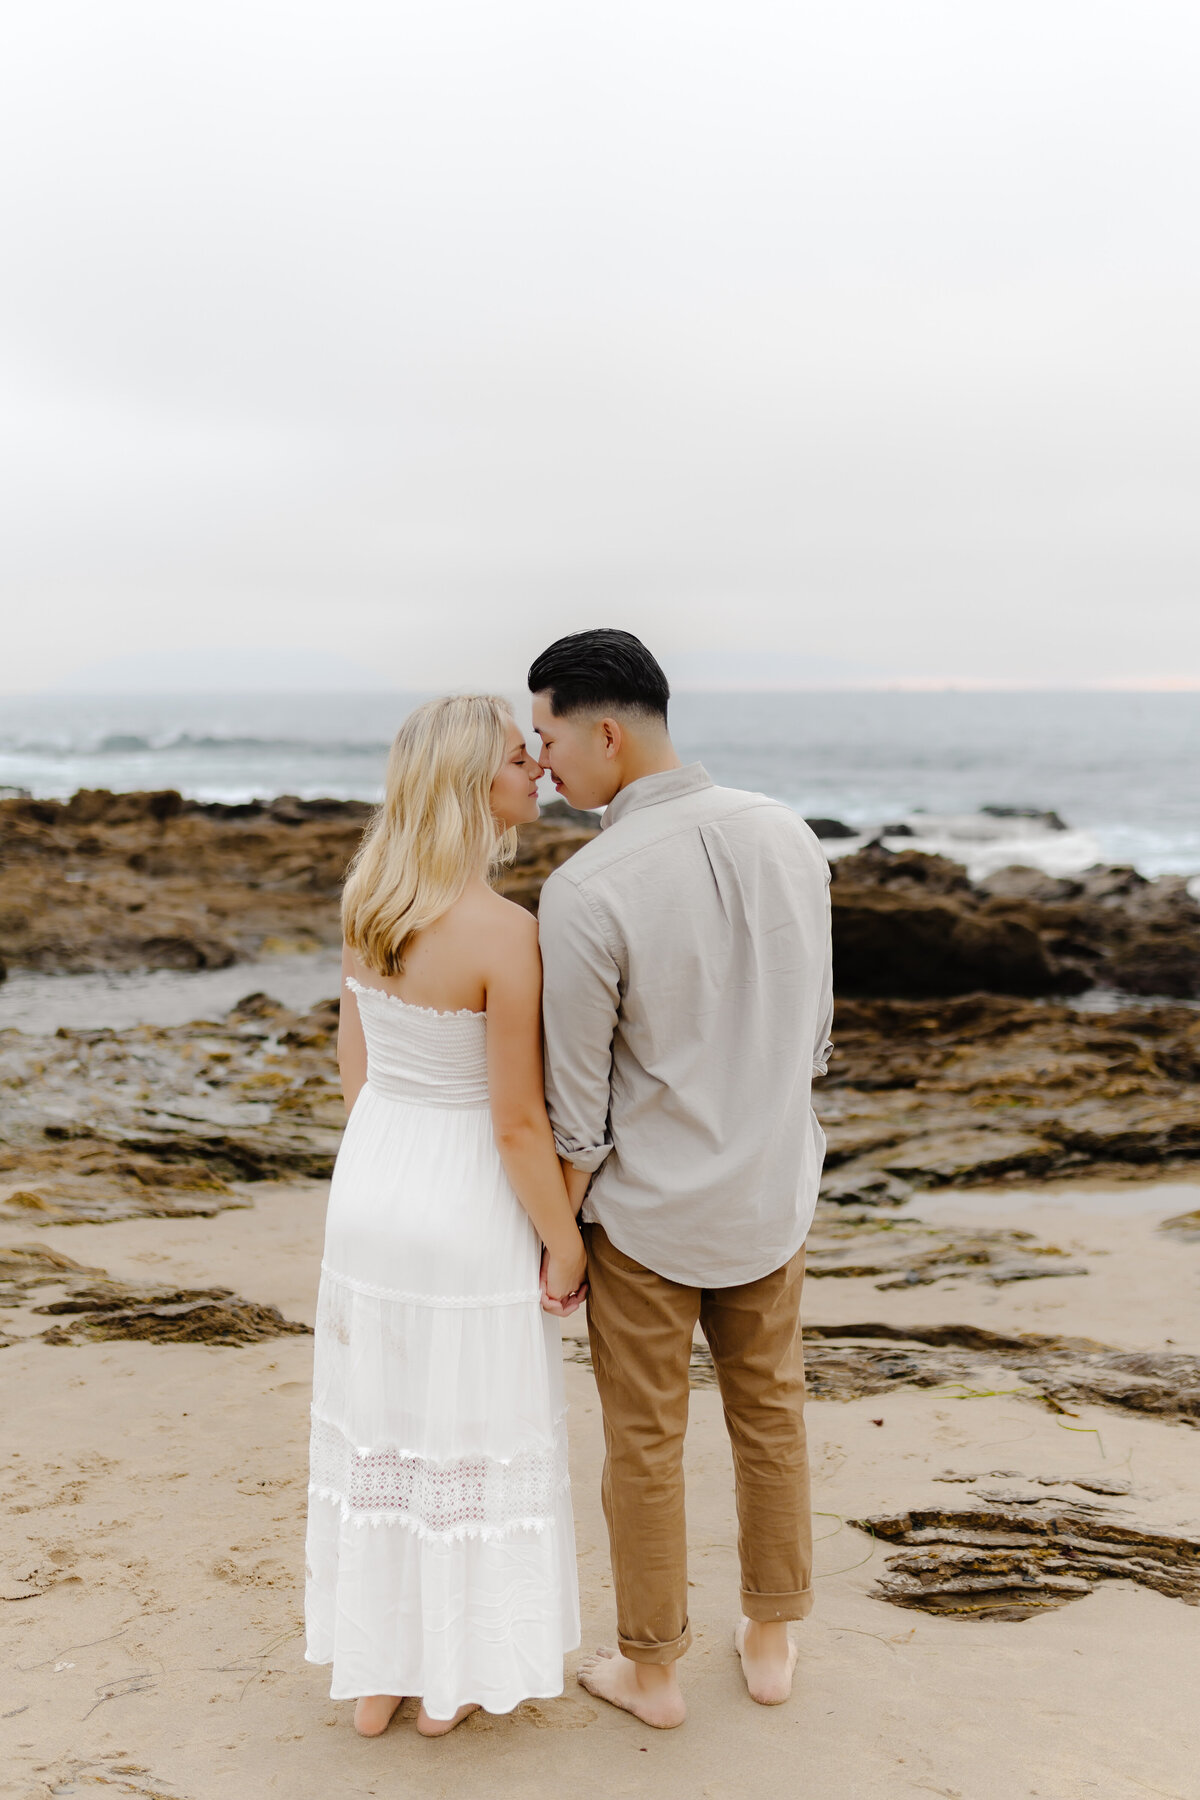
(152, 1576)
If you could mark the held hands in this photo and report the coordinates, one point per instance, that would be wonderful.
(564, 1280)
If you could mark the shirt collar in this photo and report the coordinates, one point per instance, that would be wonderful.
(650, 790)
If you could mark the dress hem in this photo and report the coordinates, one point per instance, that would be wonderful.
(499, 1708)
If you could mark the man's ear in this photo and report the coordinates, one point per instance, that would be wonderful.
(611, 738)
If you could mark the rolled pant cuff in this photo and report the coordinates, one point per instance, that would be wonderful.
(655, 1653)
(764, 1609)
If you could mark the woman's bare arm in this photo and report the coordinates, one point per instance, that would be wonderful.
(351, 1044)
(515, 1088)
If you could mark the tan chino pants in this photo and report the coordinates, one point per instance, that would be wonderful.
(640, 1326)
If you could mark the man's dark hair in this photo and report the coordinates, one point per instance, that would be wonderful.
(591, 670)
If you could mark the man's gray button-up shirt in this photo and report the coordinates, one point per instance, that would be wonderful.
(688, 1005)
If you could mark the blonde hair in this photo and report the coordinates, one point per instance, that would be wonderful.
(434, 832)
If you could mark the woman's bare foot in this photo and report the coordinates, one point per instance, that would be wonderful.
(768, 1660)
(374, 1713)
(439, 1727)
(650, 1691)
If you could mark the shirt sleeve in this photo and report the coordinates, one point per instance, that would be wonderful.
(823, 1043)
(580, 999)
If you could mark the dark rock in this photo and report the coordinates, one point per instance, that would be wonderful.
(981, 1088)
(558, 812)
(908, 1253)
(985, 1154)
(1162, 962)
(289, 809)
(240, 1156)
(1018, 882)
(257, 1006)
(867, 1188)
(316, 1030)
(905, 870)
(1139, 1130)
(222, 809)
(829, 829)
(1062, 1372)
(892, 942)
(1050, 820)
(184, 953)
(991, 1562)
(24, 1267)
(92, 806)
(100, 1309)
(32, 812)
(897, 831)
(112, 1310)
(1184, 1225)
(906, 923)
(1111, 881)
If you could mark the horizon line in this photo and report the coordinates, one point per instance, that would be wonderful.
(898, 684)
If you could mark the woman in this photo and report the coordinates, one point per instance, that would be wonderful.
(440, 1555)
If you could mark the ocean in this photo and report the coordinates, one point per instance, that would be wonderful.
(1120, 770)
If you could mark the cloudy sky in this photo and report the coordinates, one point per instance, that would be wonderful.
(820, 343)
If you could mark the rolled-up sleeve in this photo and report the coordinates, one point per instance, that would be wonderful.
(579, 1003)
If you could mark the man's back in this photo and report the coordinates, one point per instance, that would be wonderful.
(688, 1003)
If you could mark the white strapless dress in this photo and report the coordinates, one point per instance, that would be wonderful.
(441, 1549)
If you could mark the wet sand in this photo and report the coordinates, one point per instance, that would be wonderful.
(34, 1002)
(152, 1575)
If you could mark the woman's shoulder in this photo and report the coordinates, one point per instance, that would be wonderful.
(484, 910)
(496, 937)
(515, 923)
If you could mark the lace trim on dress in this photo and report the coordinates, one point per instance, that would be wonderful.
(474, 1496)
(516, 1297)
(431, 1012)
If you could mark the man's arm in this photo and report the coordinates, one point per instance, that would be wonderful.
(577, 1184)
(580, 1000)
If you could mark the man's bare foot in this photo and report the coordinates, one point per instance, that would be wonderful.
(374, 1712)
(650, 1691)
(768, 1660)
(439, 1727)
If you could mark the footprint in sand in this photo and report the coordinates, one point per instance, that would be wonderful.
(556, 1715)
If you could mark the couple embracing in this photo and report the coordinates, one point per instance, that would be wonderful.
(659, 1159)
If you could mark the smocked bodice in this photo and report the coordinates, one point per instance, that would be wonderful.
(416, 1054)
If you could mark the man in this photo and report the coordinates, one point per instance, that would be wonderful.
(688, 1001)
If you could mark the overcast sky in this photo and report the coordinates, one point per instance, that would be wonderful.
(859, 340)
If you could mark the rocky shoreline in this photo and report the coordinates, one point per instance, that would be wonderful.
(911, 924)
(145, 881)
(925, 1089)
(152, 881)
